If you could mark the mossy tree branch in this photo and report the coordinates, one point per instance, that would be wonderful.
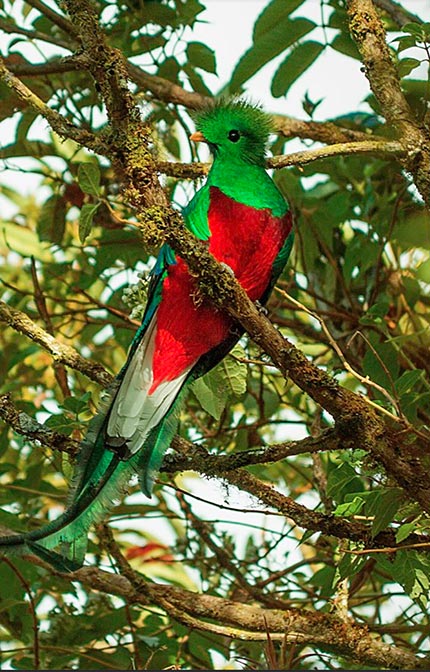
(58, 123)
(127, 142)
(128, 136)
(230, 468)
(368, 32)
(61, 352)
(248, 622)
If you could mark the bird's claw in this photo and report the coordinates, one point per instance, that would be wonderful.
(227, 268)
(261, 309)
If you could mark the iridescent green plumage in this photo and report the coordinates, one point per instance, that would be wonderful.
(253, 124)
(245, 220)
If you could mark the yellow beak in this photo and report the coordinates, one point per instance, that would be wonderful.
(197, 136)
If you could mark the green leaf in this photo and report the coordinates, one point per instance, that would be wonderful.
(380, 362)
(226, 380)
(77, 404)
(411, 570)
(405, 42)
(209, 396)
(350, 565)
(423, 271)
(404, 531)
(349, 508)
(196, 80)
(169, 69)
(324, 579)
(420, 588)
(377, 312)
(158, 14)
(345, 45)
(201, 56)
(383, 504)
(296, 63)
(267, 46)
(341, 481)
(146, 43)
(408, 380)
(112, 239)
(234, 372)
(20, 354)
(406, 65)
(86, 219)
(188, 11)
(272, 14)
(413, 28)
(23, 241)
(51, 222)
(414, 228)
(354, 257)
(89, 178)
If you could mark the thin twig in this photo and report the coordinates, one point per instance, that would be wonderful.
(31, 608)
(363, 379)
(40, 301)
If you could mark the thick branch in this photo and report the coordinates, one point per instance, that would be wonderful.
(25, 425)
(54, 66)
(397, 12)
(165, 90)
(196, 458)
(249, 622)
(58, 123)
(327, 132)
(356, 420)
(188, 453)
(252, 622)
(230, 469)
(55, 18)
(386, 148)
(60, 352)
(289, 127)
(9, 27)
(368, 32)
(129, 136)
(320, 131)
(379, 147)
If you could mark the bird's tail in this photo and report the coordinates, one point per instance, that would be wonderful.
(100, 479)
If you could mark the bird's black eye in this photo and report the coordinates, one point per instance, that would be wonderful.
(234, 136)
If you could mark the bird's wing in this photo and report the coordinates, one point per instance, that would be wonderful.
(140, 403)
(195, 213)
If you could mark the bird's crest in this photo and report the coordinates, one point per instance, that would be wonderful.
(221, 117)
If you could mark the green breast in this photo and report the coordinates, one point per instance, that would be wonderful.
(248, 184)
(244, 183)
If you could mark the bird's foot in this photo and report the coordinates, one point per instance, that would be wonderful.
(227, 268)
(261, 309)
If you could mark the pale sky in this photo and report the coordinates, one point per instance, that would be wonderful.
(336, 78)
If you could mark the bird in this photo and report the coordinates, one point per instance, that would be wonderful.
(246, 223)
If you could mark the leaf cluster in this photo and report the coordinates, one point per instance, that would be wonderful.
(354, 299)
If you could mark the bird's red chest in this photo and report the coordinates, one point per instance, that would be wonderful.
(246, 239)
(188, 326)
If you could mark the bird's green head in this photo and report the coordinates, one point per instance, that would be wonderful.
(234, 130)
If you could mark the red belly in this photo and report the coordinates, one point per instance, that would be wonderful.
(188, 326)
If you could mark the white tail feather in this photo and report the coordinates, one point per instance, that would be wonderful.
(134, 411)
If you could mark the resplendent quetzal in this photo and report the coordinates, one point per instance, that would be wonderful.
(247, 224)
